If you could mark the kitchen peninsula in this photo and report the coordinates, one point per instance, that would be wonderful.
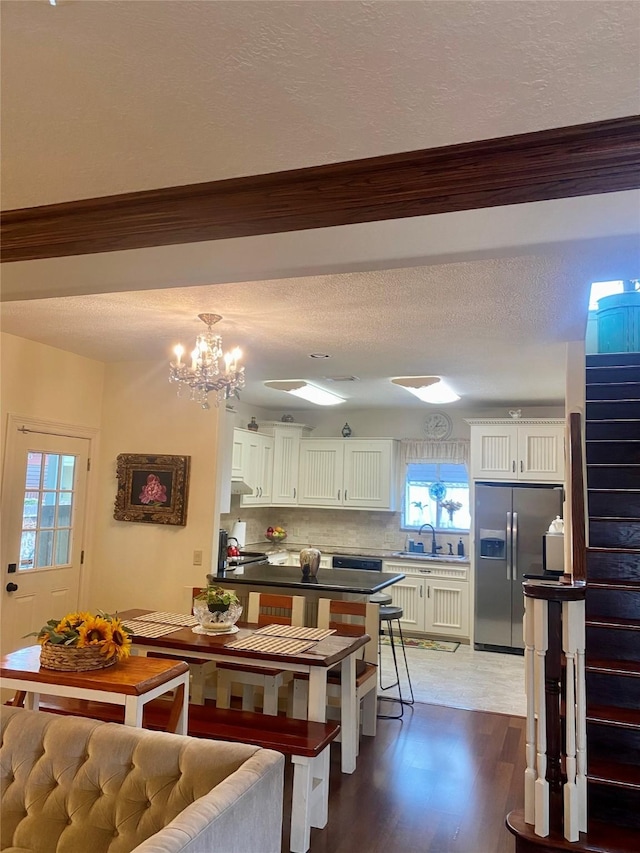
(350, 584)
(350, 581)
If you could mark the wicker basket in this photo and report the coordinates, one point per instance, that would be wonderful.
(73, 659)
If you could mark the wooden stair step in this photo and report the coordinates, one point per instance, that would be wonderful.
(615, 583)
(614, 667)
(597, 549)
(602, 391)
(615, 518)
(601, 838)
(610, 715)
(613, 773)
(613, 622)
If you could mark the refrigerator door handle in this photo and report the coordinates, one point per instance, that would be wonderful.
(508, 546)
(514, 546)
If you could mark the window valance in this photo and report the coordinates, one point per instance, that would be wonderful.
(421, 450)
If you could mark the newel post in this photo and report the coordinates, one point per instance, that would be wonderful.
(555, 800)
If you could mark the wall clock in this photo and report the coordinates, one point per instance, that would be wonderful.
(437, 425)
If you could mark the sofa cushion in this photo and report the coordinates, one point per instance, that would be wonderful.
(72, 784)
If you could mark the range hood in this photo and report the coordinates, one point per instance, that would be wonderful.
(239, 487)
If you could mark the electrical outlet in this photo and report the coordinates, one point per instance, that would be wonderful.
(388, 539)
(197, 558)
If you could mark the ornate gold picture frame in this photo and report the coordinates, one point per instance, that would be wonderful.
(152, 489)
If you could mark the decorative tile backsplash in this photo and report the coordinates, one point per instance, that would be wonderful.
(330, 528)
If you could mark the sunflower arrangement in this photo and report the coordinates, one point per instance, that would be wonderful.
(83, 630)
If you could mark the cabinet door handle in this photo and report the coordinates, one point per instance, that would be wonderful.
(345, 494)
(420, 592)
(294, 492)
(521, 466)
(428, 592)
(513, 466)
(339, 490)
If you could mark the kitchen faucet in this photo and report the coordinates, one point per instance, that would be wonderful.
(434, 548)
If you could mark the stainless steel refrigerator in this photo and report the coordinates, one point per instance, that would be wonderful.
(510, 522)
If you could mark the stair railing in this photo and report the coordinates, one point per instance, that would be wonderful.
(555, 799)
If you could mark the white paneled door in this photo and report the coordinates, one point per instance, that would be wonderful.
(43, 508)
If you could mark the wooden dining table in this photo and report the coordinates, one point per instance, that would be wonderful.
(131, 683)
(314, 662)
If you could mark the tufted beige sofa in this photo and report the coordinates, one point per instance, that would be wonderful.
(74, 785)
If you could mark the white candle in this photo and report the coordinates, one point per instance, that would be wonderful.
(178, 350)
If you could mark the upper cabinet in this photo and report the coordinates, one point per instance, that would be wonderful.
(529, 450)
(286, 462)
(349, 473)
(258, 466)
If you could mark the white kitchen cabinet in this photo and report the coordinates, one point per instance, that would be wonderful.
(348, 473)
(286, 459)
(240, 454)
(410, 594)
(447, 607)
(259, 469)
(434, 597)
(527, 450)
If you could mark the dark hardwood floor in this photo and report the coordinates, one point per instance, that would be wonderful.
(441, 780)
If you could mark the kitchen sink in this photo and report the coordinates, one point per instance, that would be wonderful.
(441, 558)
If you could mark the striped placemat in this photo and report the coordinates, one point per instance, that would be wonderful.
(149, 629)
(295, 632)
(272, 645)
(180, 619)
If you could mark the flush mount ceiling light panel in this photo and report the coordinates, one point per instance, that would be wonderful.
(429, 389)
(303, 389)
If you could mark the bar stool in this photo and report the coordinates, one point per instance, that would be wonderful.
(390, 613)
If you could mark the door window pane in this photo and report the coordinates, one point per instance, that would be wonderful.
(62, 547)
(64, 509)
(44, 549)
(47, 510)
(27, 549)
(51, 467)
(67, 472)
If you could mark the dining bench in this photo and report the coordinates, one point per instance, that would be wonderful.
(306, 742)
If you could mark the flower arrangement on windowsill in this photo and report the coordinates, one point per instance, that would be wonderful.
(451, 507)
(83, 641)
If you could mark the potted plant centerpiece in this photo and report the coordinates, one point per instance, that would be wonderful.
(217, 609)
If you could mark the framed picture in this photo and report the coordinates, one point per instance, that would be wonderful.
(152, 489)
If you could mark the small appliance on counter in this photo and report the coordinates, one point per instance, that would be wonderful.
(553, 554)
(223, 544)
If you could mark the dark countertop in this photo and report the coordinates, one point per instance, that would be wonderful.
(348, 551)
(330, 580)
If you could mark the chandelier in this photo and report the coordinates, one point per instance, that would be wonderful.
(210, 370)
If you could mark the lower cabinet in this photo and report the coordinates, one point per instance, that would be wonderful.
(431, 605)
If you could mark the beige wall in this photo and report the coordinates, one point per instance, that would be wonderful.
(139, 564)
(39, 381)
(136, 411)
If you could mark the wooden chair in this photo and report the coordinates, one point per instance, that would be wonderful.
(260, 612)
(201, 670)
(340, 616)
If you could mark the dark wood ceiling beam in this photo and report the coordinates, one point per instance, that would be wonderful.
(584, 159)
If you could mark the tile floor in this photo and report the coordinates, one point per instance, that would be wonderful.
(468, 679)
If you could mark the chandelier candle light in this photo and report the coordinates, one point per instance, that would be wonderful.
(210, 370)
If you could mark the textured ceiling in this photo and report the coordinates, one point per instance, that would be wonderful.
(495, 329)
(106, 97)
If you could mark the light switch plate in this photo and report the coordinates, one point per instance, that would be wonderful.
(197, 558)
